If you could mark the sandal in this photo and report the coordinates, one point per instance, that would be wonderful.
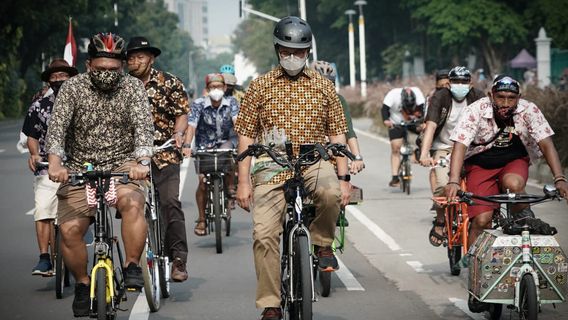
(435, 238)
(200, 228)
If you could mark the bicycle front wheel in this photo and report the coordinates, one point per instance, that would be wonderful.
(151, 275)
(101, 294)
(217, 214)
(528, 303)
(302, 279)
(407, 177)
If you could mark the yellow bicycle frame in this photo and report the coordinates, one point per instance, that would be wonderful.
(107, 264)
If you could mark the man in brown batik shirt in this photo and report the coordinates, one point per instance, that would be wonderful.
(300, 104)
(170, 107)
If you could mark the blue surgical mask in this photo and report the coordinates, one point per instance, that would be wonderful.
(459, 90)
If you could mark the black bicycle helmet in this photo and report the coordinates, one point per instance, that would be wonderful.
(292, 32)
(459, 73)
(505, 83)
(107, 45)
(408, 99)
(442, 74)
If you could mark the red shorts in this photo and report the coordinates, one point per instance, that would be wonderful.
(485, 182)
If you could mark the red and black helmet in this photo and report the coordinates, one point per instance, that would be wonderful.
(107, 45)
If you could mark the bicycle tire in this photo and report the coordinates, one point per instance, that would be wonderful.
(217, 214)
(454, 247)
(227, 217)
(163, 261)
(495, 311)
(101, 294)
(407, 176)
(528, 302)
(303, 279)
(60, 269)
(454, 256)
(150, 273)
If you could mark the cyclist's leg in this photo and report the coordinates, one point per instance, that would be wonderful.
(167, 181)
(44, 215)
(73, 247)
(442, 179)
(134, 228)
(267, 214)
(514, 177)
(201, 200)
(395, 136)
(481, 182)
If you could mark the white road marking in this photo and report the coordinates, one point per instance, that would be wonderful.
(140, 309)
(417, 266)
(462, 305)
(348, 279)
(182, 175)
(374, 228)
(405, 254)
(2, 150)
(371, 135)
(31, 212)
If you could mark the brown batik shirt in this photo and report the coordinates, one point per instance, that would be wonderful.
(168, 99)
(307, 109)
(105, 129)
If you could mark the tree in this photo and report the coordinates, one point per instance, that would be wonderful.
(489, 25)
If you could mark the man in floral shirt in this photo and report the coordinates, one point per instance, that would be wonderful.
(170, 106)
(499, 136)
(35, 128)
(102, 117)
(211, 122)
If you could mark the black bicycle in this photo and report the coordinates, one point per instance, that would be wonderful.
(214, 165)
(107, 288)
(297, 259)
(405, 168)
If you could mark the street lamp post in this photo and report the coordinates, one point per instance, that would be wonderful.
(351, 32)
(362, 49)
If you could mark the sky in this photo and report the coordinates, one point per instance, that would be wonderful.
(223, 17)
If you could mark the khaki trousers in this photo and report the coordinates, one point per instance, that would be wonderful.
(268, 215)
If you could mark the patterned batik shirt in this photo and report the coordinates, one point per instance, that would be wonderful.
(36, 121)
(105, 129)
(306, 109)
(477, 125)
(213, 126)
(169, 100)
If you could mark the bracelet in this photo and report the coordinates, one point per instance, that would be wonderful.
(358, 158)
(556, 180)
(453, 182)
(344, 178)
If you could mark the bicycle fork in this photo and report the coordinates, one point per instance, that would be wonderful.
(526, 268)
(106, 263)
(296, 230)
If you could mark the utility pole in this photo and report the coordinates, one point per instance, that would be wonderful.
(351, 33)
(363, 56)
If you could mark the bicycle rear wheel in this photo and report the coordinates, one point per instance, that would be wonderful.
(217, 214)
(528, 303)
(454, 256)
(101, 294)
(455, 243)
(407, 177)
(302, 306)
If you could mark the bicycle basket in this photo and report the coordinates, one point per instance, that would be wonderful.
(209, 162)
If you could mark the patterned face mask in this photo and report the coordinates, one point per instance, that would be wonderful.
(105, 80)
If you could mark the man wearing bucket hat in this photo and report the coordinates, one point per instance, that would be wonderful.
(170, 107)
(233, 89)
(211, 122)
(101, 117)
(35, 128)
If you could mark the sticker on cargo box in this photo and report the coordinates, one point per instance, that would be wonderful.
(546, 258)
(559, 259)
(506, 261)
(502, 287)
(551, 270)
(561, 278)
(563, 267)
(515, 272)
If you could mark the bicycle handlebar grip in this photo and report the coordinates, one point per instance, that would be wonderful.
(322, 152)
(243, 155)
(349, 155)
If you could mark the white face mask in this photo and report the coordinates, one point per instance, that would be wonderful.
(216, 94)
(292, 64)
(459, 90)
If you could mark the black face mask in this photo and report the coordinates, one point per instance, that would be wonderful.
(55, 86)
(229, 92)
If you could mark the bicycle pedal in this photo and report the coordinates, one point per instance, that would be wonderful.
(133, 289)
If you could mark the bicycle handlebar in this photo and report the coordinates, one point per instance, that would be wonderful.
(213, 151)
(409, 123)
(170, 143)
(77, 178)
(550, 192)
(288, 161)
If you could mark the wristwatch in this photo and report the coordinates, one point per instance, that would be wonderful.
(344, 178)
(144, 162)
(358, 157)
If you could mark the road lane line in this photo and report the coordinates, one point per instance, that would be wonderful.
(182, 175)
(405, 254)
(462, 305)
(2, 150)
(348, 279)
(417, 266)
(371, 135)
(140, 309)
(374, 228)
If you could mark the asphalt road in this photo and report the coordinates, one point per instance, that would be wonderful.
(389, 270)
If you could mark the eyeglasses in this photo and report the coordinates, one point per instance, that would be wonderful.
(299, 53)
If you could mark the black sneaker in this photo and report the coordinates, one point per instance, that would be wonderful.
(475, 305)
(44, 266)
(326, 259)
(82, 301)
(395, 182)
(133, 277)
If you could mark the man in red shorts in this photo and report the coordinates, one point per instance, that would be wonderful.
(499, 136)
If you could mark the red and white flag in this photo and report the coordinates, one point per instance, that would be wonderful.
(70, 53)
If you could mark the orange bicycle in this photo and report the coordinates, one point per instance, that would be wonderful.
(456, 228)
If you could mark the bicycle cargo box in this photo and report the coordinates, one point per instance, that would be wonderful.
(496, 260)
(207, 162)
